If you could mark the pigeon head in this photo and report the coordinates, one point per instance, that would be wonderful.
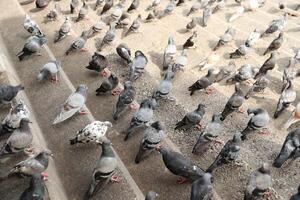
(171, 40)
(82, 88)
(139, 53)
(201, 107)
(265, 169)
(216, 118)
(151, 195)
(128, 85)
(24, 121)
(113, 76)
(158, 125)
(207, 178)
(169, 75)
(36, 179)
(47, 152)
(107, 148)
(237, 137)
(42, 39)
(109, 124)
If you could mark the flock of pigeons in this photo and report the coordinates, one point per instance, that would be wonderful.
(16, 123)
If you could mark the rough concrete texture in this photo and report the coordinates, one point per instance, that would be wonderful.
(74, 164)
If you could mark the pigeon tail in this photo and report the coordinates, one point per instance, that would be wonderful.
(201, 145)
(227, 111)
(139, 155)
(245, 132)
(281, 158)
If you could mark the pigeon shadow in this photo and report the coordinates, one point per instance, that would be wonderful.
(294, 29)
(260, 51)
(239, 42)
(212, 43)
(23, 3)
(182, 31)
(282, 63)
(156, 58)
(273, 10)
(35, 10)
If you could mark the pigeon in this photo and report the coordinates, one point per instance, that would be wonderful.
(169, 53)
(104, 170)
(190, 42)
(83, 11)
(276, 25)
(73, 6)
(126, 98)
(151, 195)
(194, 8)
(209, 134)
(134, 26)
(290, 72)
(152, 137)
(297, 56)
(19, 140)
(31, 26)
(64, 30)
(202, 188)
(220, 5)
(32, 46)
(54, 12)
(226, 71)
(226, 38)
(210, 61)
(33, 165)
(203, 83)
(124, 20)
(253, 38)
(229, 153)
(287, 97)
(96, 28)
(169, 8)
(151, 16)
(109, 85)
(296, 196)
(180, 2)
(124, 52)
(14, 117)
(73, 104)
(108, 5)
(134, 5)
(239, 52)
(137, 65)
(50, 71)
(181, 61)
(9, 92)
(109, 37)
(143, 116)
(259, 86)
(275, 44)
(42, 3)
(98, 63)
(290, 148)
(180, 165)
(238, 13)
(92, 133)
(260, 183)
(153, 5)
(192, 118)
(163, 89)
(207, 12)
(295, 117)
(269, 64)
(191, 25)
(36, 189)
(234, 103)
(258, 121)
(245, 72)
(98, 3)
(78, 43)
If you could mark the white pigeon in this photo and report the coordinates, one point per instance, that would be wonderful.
(181, 61)
(295, 117)
(170, 52)
(93, 132)
(210, 61)
(50, 71)
(253, 37)
(31, 26)
(238, 13)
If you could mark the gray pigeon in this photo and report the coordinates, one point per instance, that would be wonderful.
(296, 196)
(208, 135)
(109, 37)
(9, 92)
(54, 12)
(240, 52)
(78, 43)
(169, 53)
(73, 6)
(32, 46)
(192, 118)
(108, 5)
(134, 5)
(98, 3)
(83, 11)
(126, 98)
(190, 42)
(180, 62)
(234, 103)
(104, 170)
(253, 38)
(290, 148)
(290, 72)
(31, 26)
(276, 25)
(143, 116)
(180, 165)
(19, 140)
(191, 25)
(124, 20)
(153, 5)
(203, 83)
(195, 7)
(245, 72)
(151, 195)
(73, 104)
(287, 97)
(64, 30)
(269, 64)
(226, 38)
(36, 189)
(275, 44)
(109, 85)
(152, 137)
(169, 8)
(226, 71)
(202, 188)
(259, 86)
(163, 89)
(228, 154)
(42, 3)
(258, 121)
(124, 52)
(220, 5)
(207, 12)
(50, 71)
(137, 65)
(98, 63)
(260, 183)
(134, 26)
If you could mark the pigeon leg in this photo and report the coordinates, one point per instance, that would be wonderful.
(182, 180)
(115, 179)
(84, 49)
(134, 106)
(54, 79)
(267, 194)
(218, 141)
(241, 163)
(115, 91)
(83, 112)
(265, 131)
(199, 126)
(210, 90)
(241, 110)
(104, 73)
(29, 150)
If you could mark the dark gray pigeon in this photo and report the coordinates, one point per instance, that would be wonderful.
(228, 154)
(202, 188)
(78, 43)
(290, 148)
(191, 25)
(36, 189)
(151, 195)
(275, 44)
(50, 71)
(64, 30)
(203, 83)
(109, 37)
(134, 5)
(42, 3)
(244, 73)
(98, 3)
(296, 196)
(208, 135)
(190, 42)
(192, 118)
(109, 85)
(276, 25)
(9, 92)
(239, 52)
(269, 64)
(164, 88)
(260, 183)
(258, 121)
(195, 7)
(126, 98)
(104, 170)
(234, 103)
(152, 137)
(226, 38)
(108, 5)
(259, 86)
(98, 63)
(32, 46)
(180, 165)
(124, 52)
(143, 116)
(137, 65)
